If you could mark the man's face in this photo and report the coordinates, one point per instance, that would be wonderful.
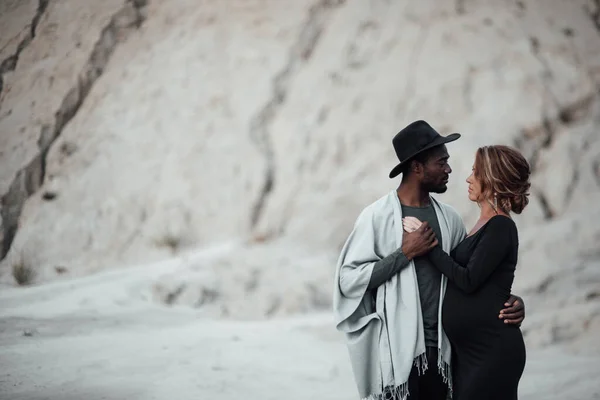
(436, 171)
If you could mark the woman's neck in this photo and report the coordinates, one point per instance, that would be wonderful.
(487, 211)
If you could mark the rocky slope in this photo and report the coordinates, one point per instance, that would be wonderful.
(132, 131)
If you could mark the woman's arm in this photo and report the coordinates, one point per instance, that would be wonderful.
(489, 253)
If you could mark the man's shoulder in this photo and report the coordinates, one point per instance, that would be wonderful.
(381, 207)
(456, 224)
(449, 211)
(447, 208)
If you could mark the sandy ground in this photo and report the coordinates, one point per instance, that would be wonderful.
(99, 337)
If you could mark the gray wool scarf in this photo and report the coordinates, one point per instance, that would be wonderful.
(384, 333)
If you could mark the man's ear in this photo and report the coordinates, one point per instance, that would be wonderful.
(416, 167)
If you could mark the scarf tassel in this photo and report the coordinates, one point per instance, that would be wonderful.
(444, 369)
(399, 392)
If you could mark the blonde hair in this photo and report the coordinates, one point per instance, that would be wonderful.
(503, 174)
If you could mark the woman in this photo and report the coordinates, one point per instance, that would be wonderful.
(488, 355)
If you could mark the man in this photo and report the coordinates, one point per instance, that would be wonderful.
(387, 297)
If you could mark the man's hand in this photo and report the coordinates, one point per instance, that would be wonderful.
(419, 242)
(514, 313)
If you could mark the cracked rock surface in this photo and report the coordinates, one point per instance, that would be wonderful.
(143, 131)
(19, 20)
(34, 97)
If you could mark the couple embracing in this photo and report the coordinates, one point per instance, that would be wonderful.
(426, 308)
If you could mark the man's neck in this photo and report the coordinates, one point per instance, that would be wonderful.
(411, 194)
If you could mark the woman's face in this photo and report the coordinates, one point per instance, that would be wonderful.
(474, 187)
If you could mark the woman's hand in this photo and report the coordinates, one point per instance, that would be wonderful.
(411, 224)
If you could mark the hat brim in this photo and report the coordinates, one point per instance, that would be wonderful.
(436, 142)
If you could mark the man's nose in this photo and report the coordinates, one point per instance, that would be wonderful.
(448, 169)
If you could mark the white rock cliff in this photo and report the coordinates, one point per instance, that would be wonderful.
(132, 131)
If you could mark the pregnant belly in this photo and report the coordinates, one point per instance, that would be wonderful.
(470, 317)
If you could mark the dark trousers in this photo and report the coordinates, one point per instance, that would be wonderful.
(429, 385)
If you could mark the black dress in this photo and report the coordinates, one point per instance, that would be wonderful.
(488, 356)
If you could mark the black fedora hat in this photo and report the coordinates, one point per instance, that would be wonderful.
(414, 139)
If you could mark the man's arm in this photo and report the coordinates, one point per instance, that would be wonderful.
(514, 313)
(387, 267)
(412, 246)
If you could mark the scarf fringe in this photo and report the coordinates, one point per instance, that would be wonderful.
(421, 363)
(402, 391)
(399, 392)
(444, 369)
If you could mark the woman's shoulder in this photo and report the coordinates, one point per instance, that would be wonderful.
(501, 224)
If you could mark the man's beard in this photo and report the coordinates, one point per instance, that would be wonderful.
(434, 187)
(439, 189)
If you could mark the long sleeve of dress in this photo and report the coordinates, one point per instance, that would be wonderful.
(491, 250)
